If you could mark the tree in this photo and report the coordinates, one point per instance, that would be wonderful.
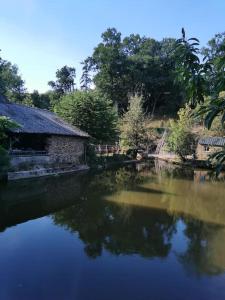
(91, 112)
(11, 83)
(5, 125)
(133, 132)
(65, 80)
(207, 78)
(108, 65)
(134, 65)
(85, 78)
(180, 140)
(190, 72)
(37, 100)
(213, 46)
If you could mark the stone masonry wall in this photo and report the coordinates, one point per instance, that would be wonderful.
(63, 149)
(203, 152)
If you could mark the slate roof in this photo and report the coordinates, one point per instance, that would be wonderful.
(37, 121)
(212, 141)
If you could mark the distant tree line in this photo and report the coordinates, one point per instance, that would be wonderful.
(119, 68)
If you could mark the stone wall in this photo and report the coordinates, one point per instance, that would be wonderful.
(63, 149)
(203, 152)
(17, 161)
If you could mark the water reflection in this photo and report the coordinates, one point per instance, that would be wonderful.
(25, 200)
(120, 230)
(132, 210)
(205, 248)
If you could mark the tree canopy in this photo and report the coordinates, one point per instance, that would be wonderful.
(135, 65)
(91, 112)
(64, 80)
(11, 83)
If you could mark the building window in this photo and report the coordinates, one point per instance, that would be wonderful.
(206, 148)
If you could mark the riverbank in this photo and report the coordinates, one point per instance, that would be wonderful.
(105, 162)
(173, 159)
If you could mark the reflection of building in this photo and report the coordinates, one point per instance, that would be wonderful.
(209, 145)
(42, 137)
(201, 175)
(204, 175)
(20, 202)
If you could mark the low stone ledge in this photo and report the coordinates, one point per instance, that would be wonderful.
(44, 172)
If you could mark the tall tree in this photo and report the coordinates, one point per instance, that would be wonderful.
(85, 78)
(11, 83)
(135, 65)
(133, 131)
(108, 65)
(64, 80)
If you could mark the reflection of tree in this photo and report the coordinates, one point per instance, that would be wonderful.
(203, 251)
(112, 180)
(124, 211)
(120, 229)
(170, 170)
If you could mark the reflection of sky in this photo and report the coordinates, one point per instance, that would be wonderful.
(42, 261)
(179, 241)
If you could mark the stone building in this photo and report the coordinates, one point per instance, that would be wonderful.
(209, 145)
(42, 138)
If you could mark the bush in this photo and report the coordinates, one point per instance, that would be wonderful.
(180, 140)
(91, 112)
(4, 161)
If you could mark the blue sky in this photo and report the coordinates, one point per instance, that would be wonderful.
(41, 36)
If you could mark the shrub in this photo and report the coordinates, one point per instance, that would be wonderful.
(180, 140)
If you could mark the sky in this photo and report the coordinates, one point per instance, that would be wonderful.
(40, 36)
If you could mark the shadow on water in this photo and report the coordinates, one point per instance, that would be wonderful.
(135, 209)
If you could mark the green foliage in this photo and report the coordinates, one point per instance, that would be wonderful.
(190, 72)
(217, 159)
(134, 65)
(200, 79)
(180, 140)
(44, 101)
(64, 80)
(92, 159)
(85, 80)
(213, 109)
(91, 112)
(207, 78)
(5, 125)
(102, 161)
(11, 83)
(133, 132)
(4, 161)
(37, 100)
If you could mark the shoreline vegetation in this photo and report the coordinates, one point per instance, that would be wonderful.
(142, 88)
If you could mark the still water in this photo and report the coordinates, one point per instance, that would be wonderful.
(136, 232)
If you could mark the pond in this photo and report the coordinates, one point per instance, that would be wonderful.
(145, 231)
